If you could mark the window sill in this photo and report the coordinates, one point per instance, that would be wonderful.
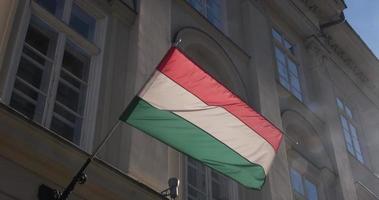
(54, 159)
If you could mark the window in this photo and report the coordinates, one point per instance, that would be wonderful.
(288, 72)
(211, 9)
(52, 79)
(204, 183)
(304, 189)
(349, 130)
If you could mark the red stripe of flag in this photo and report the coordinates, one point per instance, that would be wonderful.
(187, 74)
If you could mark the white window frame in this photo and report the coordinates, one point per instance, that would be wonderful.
(64, 33)
(344, 110)
(232, 185)
(289, 55)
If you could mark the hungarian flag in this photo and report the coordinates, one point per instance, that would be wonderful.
(184, 107)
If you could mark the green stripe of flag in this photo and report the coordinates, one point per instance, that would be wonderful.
(186, 137)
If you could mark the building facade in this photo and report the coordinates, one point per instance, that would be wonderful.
(68, 68)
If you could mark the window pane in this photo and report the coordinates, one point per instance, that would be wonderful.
(311, 190)
(76, 62)
(30, 73)
(72, 85)
(33, 73)
(198, 5)
(339, 103)
(296, 181)
(297, 94)
(349, 142)
(219, 186)
(22, 105)
(282, 70)
(355, 139)
(292, 67)
(68, 96)
(289, 46)
(195, 194)
(348, 112)
(276, 35)
(82, 22)
(344, 123)
(280, 55)
(62, 128)
(213, 8)
(284, 82)
(55, 7)
(196, 179)
(295, 82)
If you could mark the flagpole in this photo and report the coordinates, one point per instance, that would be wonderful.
(80, 176)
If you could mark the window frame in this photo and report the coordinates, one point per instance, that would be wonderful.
(351, 119)
(204, 13)
(304, 179)
(231, 185)
(289, 55)
(65, 33)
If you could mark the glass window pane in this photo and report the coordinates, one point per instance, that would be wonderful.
(72, 85)
(62, 128)
(280, 55)
(295, 82)
(339, 103)
(195, 194)
(67, 96)
(26, 89)
(276, 35)
(30, 73)
(214, 8)
(55, 7)
(349, 142)
(282, 70)
(292, 67)
(348, 112)
(297, 94)
(219, 186)
(42, 38)
(76, 62)
(22, 105)
(82, 22)
(289, 46)
(296, 181)
(198, 5)
(196, 176)
(33, 73)
(344, 123)
(356, 144)
(284, 82)
(311, 190)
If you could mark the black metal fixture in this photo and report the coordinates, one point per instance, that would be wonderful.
(173, 188)
(47, 193)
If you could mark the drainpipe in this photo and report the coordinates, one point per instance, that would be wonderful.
(341, 20)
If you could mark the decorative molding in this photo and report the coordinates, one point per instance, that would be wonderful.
(348, 61)
(320, 50)
(313, 7)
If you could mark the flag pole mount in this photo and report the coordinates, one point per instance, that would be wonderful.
(46, 193)
(178, 42)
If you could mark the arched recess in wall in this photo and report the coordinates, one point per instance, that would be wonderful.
(212, 57)
(310, 145)
(309, 156)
